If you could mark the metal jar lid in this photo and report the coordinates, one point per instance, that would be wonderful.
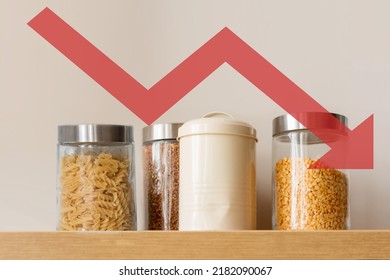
(162, 131)
(92, 133)
(322, 122)
(287, 123)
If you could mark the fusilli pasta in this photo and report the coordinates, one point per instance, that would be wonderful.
(95, 193)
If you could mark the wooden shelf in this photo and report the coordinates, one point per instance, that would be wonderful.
(196, 245)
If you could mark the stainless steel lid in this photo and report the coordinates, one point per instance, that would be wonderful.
(162, 131)
(323, 128)
(320, 121)
(92, 133)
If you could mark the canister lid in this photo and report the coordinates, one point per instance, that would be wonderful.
(217, 123)
(92, 133)
(317, 121)
(161, 131)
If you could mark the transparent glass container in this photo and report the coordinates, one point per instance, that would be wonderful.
(304, 198)
(161, 176)
(96, 178)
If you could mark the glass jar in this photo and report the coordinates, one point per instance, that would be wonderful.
(217, 174)
(161, 176)
(304, 198)
(96, 178)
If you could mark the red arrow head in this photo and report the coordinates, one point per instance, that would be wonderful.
(355, 151)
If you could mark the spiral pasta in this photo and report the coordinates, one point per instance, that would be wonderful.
(95, 193)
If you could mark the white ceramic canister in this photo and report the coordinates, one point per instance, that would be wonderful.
(217, 174)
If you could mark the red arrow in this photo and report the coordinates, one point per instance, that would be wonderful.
(354, 152)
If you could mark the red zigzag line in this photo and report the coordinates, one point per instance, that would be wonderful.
(223, 47)
(151, 104)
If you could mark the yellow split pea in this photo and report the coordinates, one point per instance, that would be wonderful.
(310, 198)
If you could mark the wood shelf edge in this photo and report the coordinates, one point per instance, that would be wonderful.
(353, 244)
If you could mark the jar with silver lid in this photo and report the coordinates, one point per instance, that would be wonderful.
(96, 178)
(306, 198)
(161, 176)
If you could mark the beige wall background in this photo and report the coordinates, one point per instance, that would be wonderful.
(338, 51)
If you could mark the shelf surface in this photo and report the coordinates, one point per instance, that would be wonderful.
(196, 245)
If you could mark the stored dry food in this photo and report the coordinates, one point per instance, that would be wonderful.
(95, 193)
(310, 198)
(161, 179)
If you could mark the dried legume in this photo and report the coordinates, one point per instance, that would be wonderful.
(309, 198)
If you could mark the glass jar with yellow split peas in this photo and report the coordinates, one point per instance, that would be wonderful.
(305, 198)
(95, 178)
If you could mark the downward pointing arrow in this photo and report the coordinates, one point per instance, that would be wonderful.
(354, 152)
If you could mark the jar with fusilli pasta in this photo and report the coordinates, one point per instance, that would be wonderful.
(96, 178)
